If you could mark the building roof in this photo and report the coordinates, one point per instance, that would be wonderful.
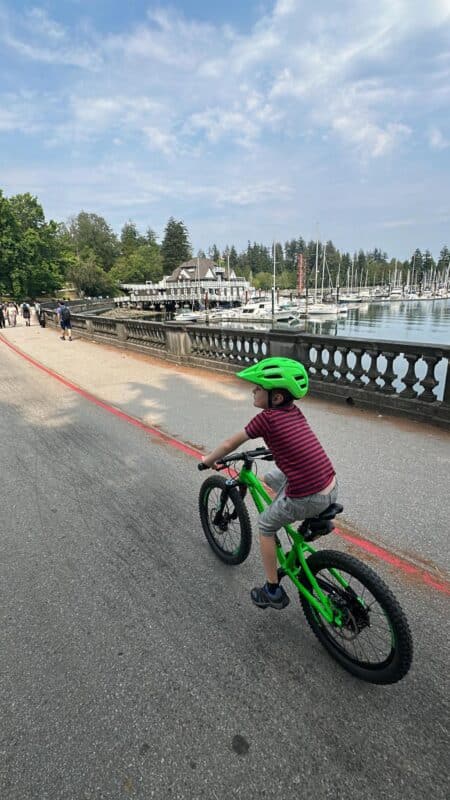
(195, 269)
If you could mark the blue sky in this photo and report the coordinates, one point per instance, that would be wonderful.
(246, 120)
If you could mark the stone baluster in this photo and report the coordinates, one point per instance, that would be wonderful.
(330, 365)
(429, 381)
(373, 372)
(389, 375)
(342, 368)
(410, 379)
(318, 363)
(358, 370)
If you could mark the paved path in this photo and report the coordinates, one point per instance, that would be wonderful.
(393, 475)
(132, 663)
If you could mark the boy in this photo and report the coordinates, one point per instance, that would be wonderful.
(304, 476)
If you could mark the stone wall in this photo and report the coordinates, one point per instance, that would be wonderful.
(411, 380)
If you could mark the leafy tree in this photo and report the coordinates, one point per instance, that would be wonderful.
(263, 280)
(9, 235)
(91, 234)
(32, 261)
(89, 278)
(144, 264)
(176, 247)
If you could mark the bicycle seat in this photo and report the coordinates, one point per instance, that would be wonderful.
(330, 512)
(313, 527)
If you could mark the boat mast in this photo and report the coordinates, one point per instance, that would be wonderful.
(317, 269)
(273, 286)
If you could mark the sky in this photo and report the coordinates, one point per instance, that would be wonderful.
(246, 120)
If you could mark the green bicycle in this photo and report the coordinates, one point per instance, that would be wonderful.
(347, 605)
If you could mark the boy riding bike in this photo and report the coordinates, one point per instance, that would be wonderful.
(304, 476)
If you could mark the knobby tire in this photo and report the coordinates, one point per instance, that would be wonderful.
(396, 664)
(213, 535)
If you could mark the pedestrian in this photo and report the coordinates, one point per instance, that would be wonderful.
(65, 321)
(2, 317)
(11, 314)
(26, 314)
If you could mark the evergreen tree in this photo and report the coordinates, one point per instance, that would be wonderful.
(214, 254)
(130, 240)
(176, 247)
(444, 259)
(233, 258)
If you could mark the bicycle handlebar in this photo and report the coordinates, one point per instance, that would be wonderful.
(246, 455)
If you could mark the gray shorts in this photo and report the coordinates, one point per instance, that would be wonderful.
(285, 510)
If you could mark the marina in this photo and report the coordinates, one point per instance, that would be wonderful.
(420, 321)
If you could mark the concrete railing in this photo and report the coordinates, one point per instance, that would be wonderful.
(412, 380)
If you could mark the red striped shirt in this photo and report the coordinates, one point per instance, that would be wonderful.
(296, 449)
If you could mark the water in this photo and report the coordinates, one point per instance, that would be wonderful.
(421, 321)
(412, 321)
(415, 322)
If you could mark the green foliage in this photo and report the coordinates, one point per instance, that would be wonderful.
(32, 257)
(89, 278)
(91, 234)
(263, 280)
(444, 258)
(176, 247)
(130, 240)
(144, 264)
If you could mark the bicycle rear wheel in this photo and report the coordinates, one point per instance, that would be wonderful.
(225, 520)
(374, 641)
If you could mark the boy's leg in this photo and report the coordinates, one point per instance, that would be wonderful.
(273, 518)
(269, 557)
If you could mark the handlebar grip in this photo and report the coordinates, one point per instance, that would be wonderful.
(201, 466)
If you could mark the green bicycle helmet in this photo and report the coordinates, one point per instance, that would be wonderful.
(278, 373)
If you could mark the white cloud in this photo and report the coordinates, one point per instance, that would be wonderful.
(437, 140)
(189, 106)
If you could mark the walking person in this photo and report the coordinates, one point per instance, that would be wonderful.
(65, 321)
(26, 314)
(11, 314)
(2, 317)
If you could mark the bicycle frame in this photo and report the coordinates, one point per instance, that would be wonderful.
(292, 562)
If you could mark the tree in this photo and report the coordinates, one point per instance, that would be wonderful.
(176, 247)
(233, 258)
(32, 260)
(89, 278)
(9, 236)
(144, 264)
(130, 240)
(92, 234)
(263, 280)
(444, 259)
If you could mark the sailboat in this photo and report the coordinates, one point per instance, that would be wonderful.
(321, 308)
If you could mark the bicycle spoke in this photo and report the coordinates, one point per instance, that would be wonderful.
(371, 644)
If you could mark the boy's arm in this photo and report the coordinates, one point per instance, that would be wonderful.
(224, 448)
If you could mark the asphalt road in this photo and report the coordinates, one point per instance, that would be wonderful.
(133, 664)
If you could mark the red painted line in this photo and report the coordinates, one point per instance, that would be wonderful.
(384, 555)
(190, 451)
(402, 564)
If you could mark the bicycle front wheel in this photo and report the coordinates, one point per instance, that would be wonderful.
(225, 520)
(373, 640)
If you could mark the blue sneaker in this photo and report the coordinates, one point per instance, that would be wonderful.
(264, 598)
